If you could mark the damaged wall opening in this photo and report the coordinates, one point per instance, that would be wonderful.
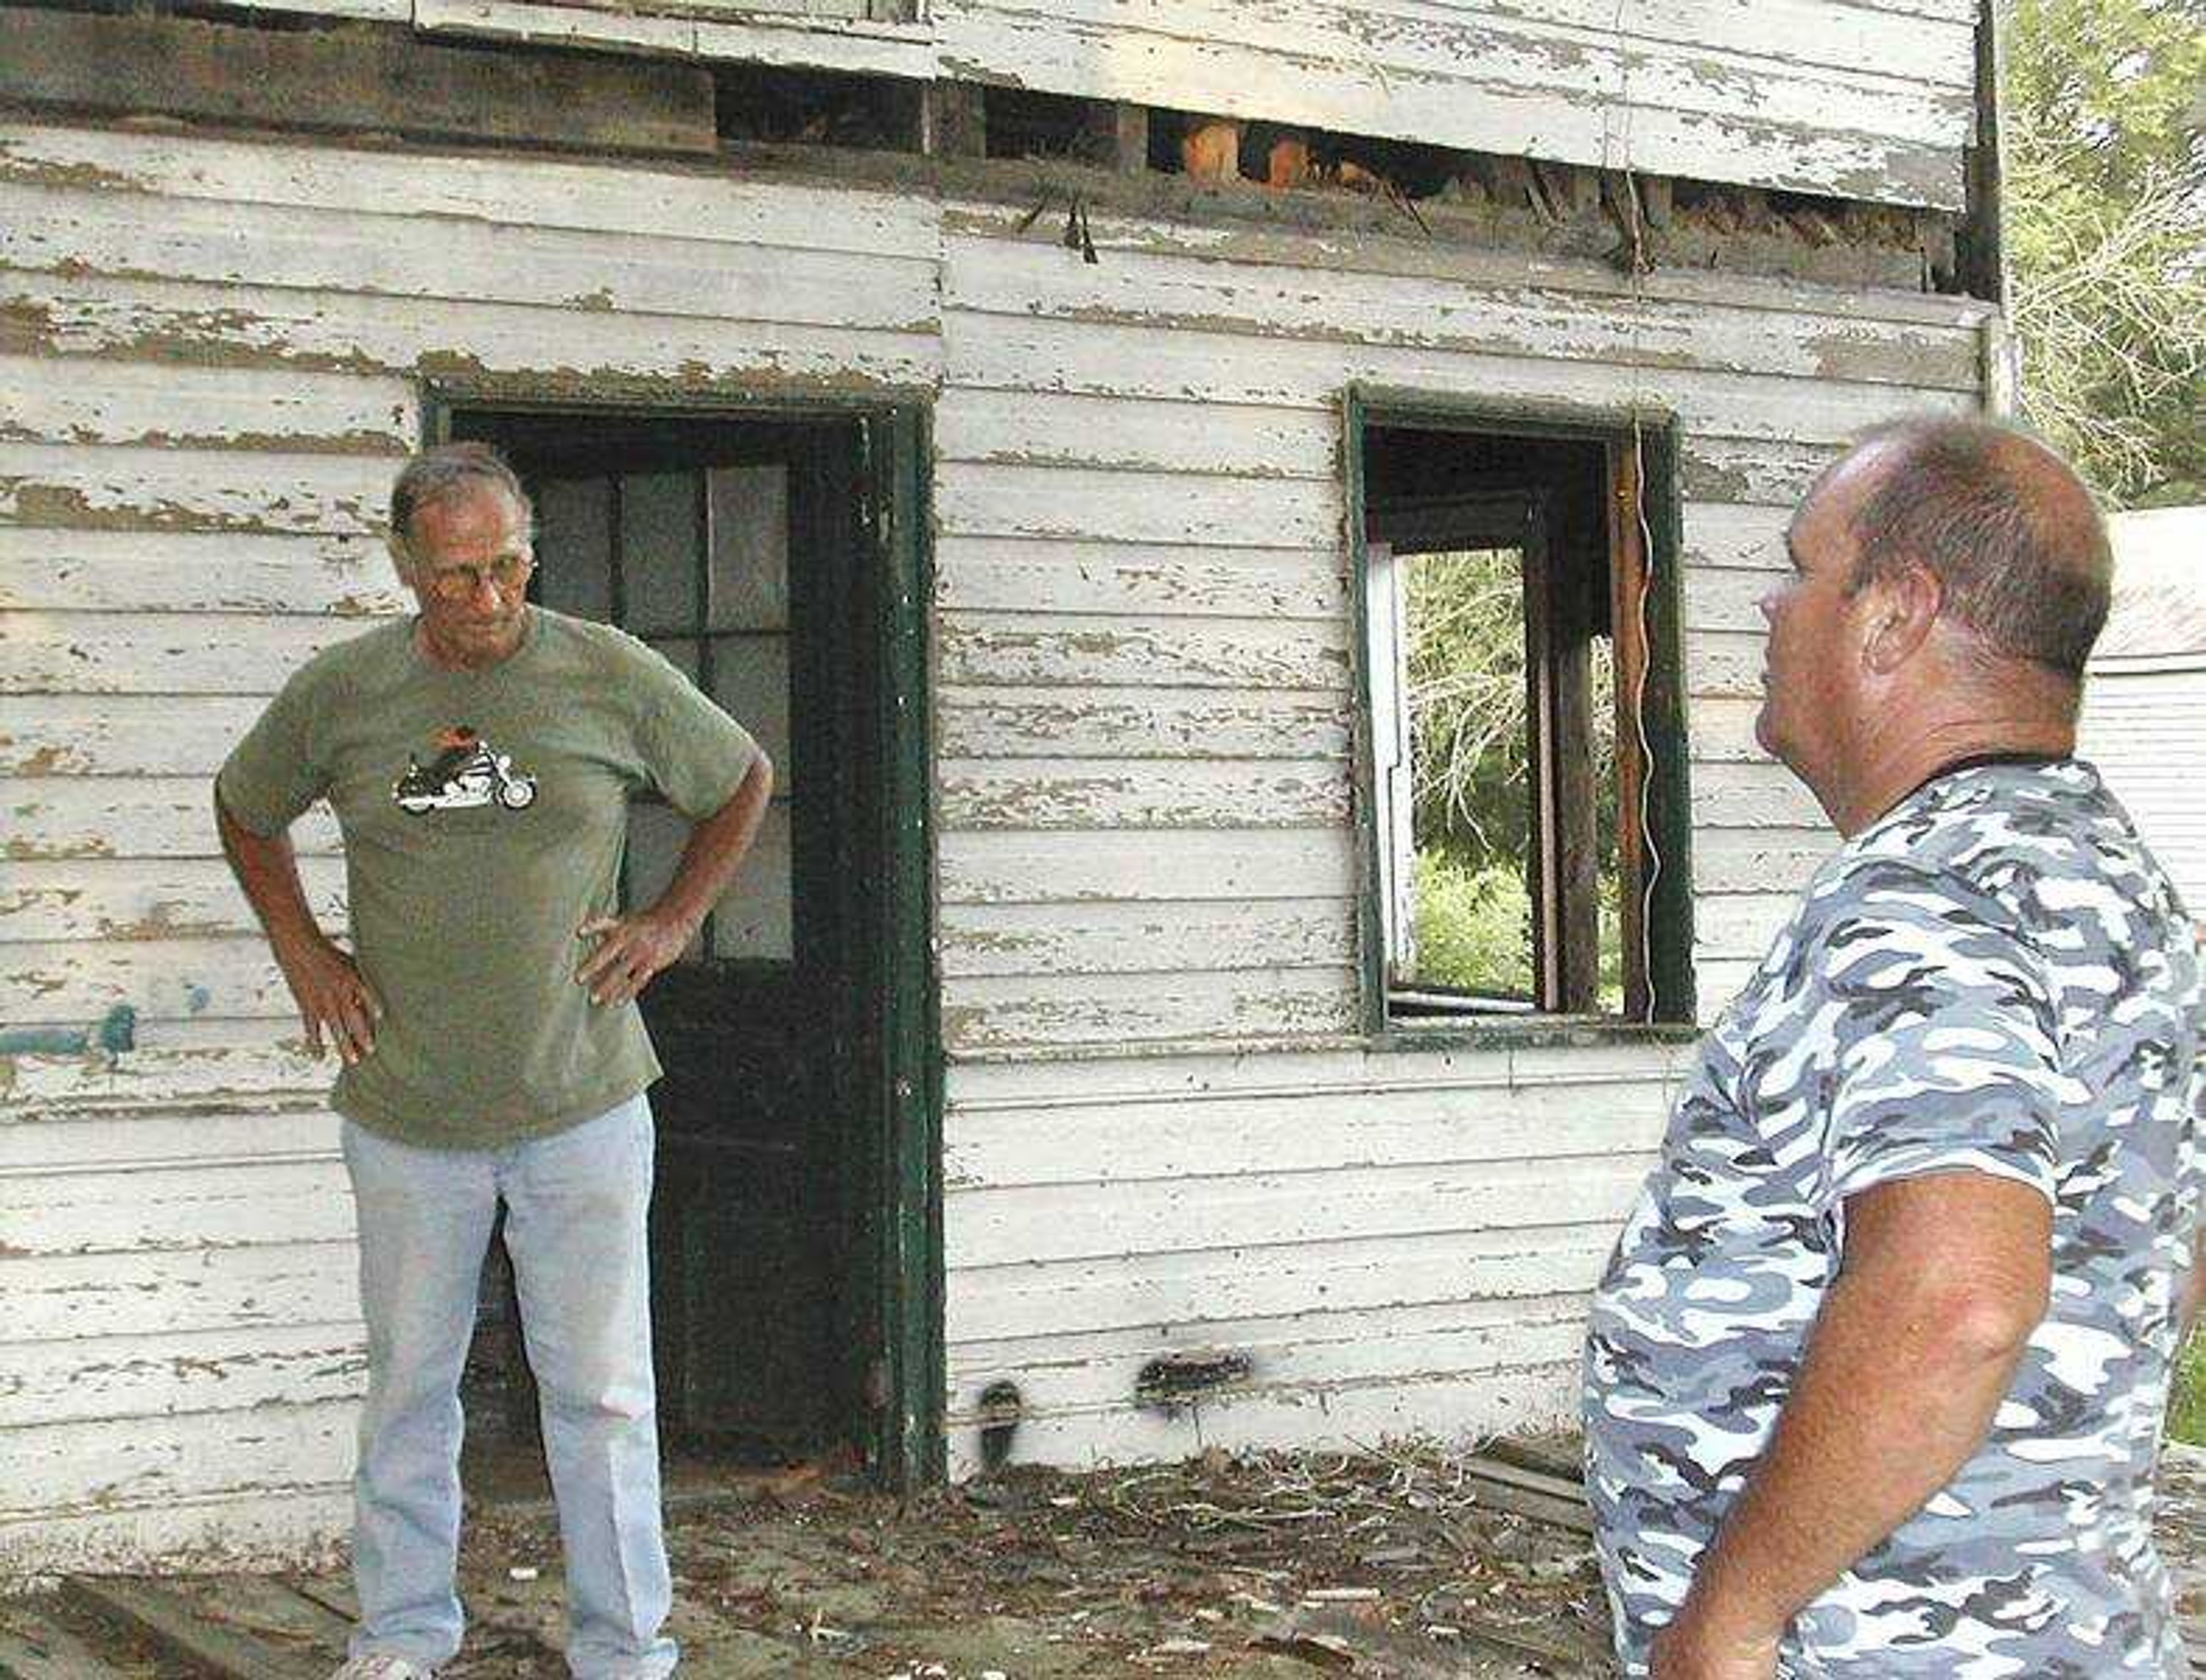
(1525, 762)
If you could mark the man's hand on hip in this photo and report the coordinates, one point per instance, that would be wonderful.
(326, 985)
(630, 950)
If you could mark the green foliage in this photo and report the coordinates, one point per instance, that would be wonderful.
(1474, 927)
(1468, 708)
(2105, 206)
(2187, 1411)
(1467, 703)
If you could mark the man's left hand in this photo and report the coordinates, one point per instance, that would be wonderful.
(1691, 1649)
(630, 950)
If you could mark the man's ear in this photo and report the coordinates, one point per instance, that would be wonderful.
(1902, 609)
(396, 545)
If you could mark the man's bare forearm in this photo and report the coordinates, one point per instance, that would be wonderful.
(267, 869)
(716, 848)
(1915, 1347)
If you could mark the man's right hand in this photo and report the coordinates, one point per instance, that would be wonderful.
(331, 993)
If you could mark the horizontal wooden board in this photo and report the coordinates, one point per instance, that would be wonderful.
(1735, 536)
(138, 816)
(1395, 246)
(1131, 506)
(1028, 274)
(1768, 859)
(134, 899)
(1014, 867)
(69, 983)
(644, 199)
(193, 1209)
(131, 1462)
(1203, 1287)
(1016, 428)
(1114, 1140)
(1037, 1225)
(1080, 576)
(1031, 650)
(1471, 1407)
(77, 570)
(758, 38)
(1726, 663)
(1063, 721)
(1755, 793)
(296, 1128)
(1586, 1060)
(148, 1082)
(1069, 1011)
(1164, 793)
(394, 252)
(1017, 353)
(161, 653)
(150, 1376)
(1145, 939)
(177, 1292)
(116, 487)
(1311, 1354)
(1772, 473)
(59, 400)
(261, 1528)
(581, 352)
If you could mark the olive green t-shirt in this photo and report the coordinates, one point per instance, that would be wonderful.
(483, 814)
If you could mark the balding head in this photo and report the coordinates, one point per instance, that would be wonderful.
(2018, 545)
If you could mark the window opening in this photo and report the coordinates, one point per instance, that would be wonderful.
(1511, 860)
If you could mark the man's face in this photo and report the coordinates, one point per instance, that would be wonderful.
(470, 561)
(1811, 678)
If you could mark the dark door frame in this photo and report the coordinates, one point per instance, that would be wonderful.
(901, 1244)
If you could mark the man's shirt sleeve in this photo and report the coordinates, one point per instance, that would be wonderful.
(1944, 1051)
(270, 777)
(696, 754)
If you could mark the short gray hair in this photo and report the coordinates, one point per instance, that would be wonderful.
(443, 471)
(2011, 532)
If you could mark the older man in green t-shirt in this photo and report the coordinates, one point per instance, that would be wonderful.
(480, 757)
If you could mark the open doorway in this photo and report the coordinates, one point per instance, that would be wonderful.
(772, 555)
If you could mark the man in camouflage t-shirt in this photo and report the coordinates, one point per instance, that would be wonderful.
(1876, 1373)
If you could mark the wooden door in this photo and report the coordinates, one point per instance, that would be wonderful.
(728, 546)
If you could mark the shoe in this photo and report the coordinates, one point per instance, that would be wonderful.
(383, 1666)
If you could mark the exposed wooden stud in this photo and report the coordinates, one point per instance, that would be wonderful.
(954, 120)
(1119, 130)
(350, 79)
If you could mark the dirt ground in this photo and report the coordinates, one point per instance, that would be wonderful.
(1389, 1563)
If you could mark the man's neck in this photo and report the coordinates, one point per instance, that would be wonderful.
(1900, 763)
(448, 657)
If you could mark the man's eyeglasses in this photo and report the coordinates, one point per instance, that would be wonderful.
(460, 583)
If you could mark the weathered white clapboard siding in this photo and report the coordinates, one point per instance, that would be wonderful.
(1855, 99)
(2144, 726)
(1142, 710)
(1132, 450)
(1843, 97)
(212, 355)
(1391, 1241)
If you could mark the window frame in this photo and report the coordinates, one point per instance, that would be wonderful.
(1668, 1004)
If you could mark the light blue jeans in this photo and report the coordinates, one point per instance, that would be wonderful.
(574, 1210)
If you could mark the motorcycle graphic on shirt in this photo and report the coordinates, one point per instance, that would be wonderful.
(466, 772)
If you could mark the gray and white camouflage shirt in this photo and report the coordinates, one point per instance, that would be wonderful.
(1995, 977)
